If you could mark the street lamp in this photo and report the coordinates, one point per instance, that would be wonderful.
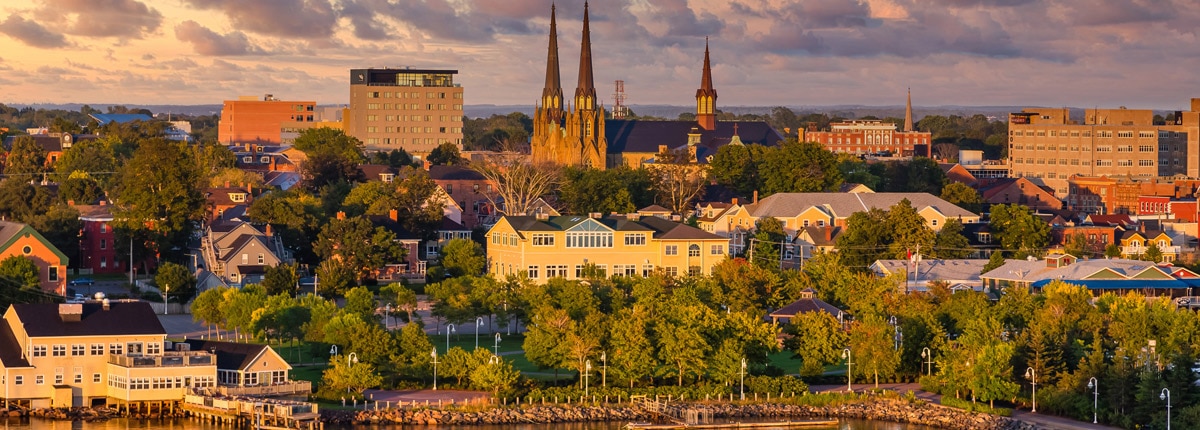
(849, 375)
(587, 371)
(743, 387)
(928, 356)
(434, 355)
(387, 313)
(478, 324)
(1166, 395)
(166, 293)
(350, 358)
(1095, 386)
(1032, 377)
(333, 350)
(603, 369)
(497, 347)
(449, 329)
(899, 337)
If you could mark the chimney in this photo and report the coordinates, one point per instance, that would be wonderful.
(102, 202)
(755, 196)
(104, 304)
(272, 168)
(542, 216)
(828, 233)
(394, 215)
(246, 147)
(595, 215)
(425, 164)
(70, 312)
(735, 201)
(341, 215)
(268, 230)
(634, 217)
(250, 189)
(70, 203)
(226, 184)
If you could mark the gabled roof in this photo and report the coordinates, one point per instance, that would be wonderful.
(220, 195)
(816, 234)
(374, 172)
(454, 173)
(646, 136)
(10, 350)
(936, 270)
(119, 118)
(123, 318)
(1036, 270)
(95, 212)
(662, 229)
(393, 226)
(231, 355)
(842, 205)
(1117, 220)
(805, 305)
(11, 231)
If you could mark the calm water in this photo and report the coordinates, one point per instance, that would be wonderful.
(123, 424)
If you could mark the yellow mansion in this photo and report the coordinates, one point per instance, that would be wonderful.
(544, 247)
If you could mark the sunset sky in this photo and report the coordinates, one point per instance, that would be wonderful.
(1082, 53)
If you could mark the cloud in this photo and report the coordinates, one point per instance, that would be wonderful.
(304, 19)
(366, 26)
(31, 33)
(105, 18)
(208, 42)
(681, 20)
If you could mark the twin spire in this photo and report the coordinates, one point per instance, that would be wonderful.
(585, 91)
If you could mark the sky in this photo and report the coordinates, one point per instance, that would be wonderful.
(1081, 53)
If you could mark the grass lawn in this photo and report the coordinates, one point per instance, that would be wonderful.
(308, 373)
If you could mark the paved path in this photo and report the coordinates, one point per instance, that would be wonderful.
(1045, 421)
(422, 396)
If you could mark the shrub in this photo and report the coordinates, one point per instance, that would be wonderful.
(970, 406)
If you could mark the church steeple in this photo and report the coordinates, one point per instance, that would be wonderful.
(908, 125)
(706, 96)
(552, 95)
(585, 92)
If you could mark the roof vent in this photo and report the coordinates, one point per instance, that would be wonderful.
(542, 216)
(595, 215)
(70, 312)
(104, 303)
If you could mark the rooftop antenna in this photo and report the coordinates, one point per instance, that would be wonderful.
(619, 111)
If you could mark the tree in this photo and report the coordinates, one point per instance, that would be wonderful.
(60, 225)
(866, 238)
(587, 190)
(331, 142)
(799, 167)
(1112, 251)
(360, 301)
(518, 183)
(990, 377)
(413, 358)
(281, 279)
(236, 177)
(344, 376)
(909, 232)
(358, 245)
(1018, 229)
(323, 169)
(963, 196)
(403, 297)
(1153, 253)
(678, 179)
(79, 188)
(873, 347)
(950, 242)
(419, 202)
(176, 282)
(463, 257)
(632, 357)
(768, 248)
(681, 346)
(737, 167)
(335, 278)
(87, 157)
(158, 194)
(817, 339)
(17, 270)
(209, 306)
(445, 154)
(495, 375)
(994, 261)
(26, 160)
(22, 201)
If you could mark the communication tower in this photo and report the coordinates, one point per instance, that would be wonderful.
(620, 111)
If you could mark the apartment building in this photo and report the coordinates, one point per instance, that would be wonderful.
(544, 247)
(1047, 147)
(411, 109)
(250, 119)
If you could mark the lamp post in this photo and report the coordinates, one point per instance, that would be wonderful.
(928, 356)
(1032, 377)
(387, 314)
(350, 359)
(603, 368)
(1166, 395)
(333, 351)
(449, 329)
(497, 346)
(587, 371)
(434, 355)
(478, 324)
(742, 390)
(166, 293)
(1095, 386)
(849, 375)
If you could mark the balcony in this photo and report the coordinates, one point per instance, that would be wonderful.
(284, 389)
(168, 359)
(1134, 251)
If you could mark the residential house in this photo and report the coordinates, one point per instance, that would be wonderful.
(1021, 191)
(1135, 243)
(97, 243)
(957, 173)
(918, 273)
(378, 172)
(240, 253)
(1098, 237)
(245, 369)
(813, 240)
(544, 247)
(470, 190)
(21, 240)
(93, 353)
(798, 210)
(979, 237)
(412, 268)
(1098, 275)
(53, 143)
(231, 199)
(807, 303)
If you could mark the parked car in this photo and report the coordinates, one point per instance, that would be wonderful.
(81, 281)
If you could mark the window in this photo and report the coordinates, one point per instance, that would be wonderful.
(694, 250)
(39, 380)
(78, 349)
(153, 348)
(262, 259)
(103, 244)
(78, 377)
(52, 274)
(589, 239)
(39, 350)
(18, 379)
(245, 258)
(635, 239)
(533, 272)
(543, 239)
(116, 348)
(96, 378)
(134, 348)
(671, 250)
(60, 351)
(647, 270)
(556, 271)
(103, 228)
(716, 249)
(624, 269)
(672, 271)
(933, 222)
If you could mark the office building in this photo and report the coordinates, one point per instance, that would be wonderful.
(411, 109)
(261, 121)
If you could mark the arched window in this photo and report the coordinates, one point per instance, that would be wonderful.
(694, 250)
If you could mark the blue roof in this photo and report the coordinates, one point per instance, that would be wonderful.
(120, 118)
(1125, 284)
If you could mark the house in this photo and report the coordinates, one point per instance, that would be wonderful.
(413, 266)
(1097, 237)
(220, 200)
(245, 369)
(813, 240)
(798, 210)
(240, 253)
(850, 187)
(543, 247)
(808, 302)
(97, 243)
(1098, 275)
(53, 143)
(979, 237)
(655, 211)
(1135, 243)
(957, 173)
(1021, 191)
(378, 172)
(919, 273)
(94, 353)
(470, 190)
(18, 239)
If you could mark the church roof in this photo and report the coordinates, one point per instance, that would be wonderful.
(646, 136)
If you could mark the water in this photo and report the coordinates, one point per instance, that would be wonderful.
(124, 424)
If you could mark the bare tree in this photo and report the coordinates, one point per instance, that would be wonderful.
(678, 179)
(518, 182)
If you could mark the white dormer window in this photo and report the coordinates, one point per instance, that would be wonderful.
(237, 197)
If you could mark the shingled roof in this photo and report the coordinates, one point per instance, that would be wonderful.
(662, 229)
(646, 136)
(123, 318)
(842, 205)
(10, 350)
(230, 355)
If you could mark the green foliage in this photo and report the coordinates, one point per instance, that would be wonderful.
(737, 167)
(335, 278)
(87, 157)
(360, 301)
(776, 385)
(768, 236)
(326, 141)
(19, 272)
(60, 225)
(994, 261)
(239, 306)
(872, 345)
(1018, 229)
(962, 196)
(346, 379)
(970, 406)
(622, 190)
(1153, 253)
(358, 245)
(158, 193)
(323, 169)
(497, 132)
(445, 154)
(22, 201)
(179, 284)
(26, 160)
(463, 257)
(798, 167)
(909, 232)
(817, 339)
(866, 238)
(281, 279)
(950, 242)
(208, 307)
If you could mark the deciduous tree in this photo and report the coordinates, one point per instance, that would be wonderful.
(518, 183)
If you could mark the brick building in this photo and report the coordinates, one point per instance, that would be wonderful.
(252, 120)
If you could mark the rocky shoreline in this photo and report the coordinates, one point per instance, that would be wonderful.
(83, 414)
(920, 412)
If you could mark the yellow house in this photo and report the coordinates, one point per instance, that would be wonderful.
(544, 247)
(1134, 243)
(94, 353)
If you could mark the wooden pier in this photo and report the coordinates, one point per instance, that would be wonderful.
(256, 413)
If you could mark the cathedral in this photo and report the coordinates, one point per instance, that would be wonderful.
(580, 135)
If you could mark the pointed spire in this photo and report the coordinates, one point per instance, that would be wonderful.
(585, 92)
(552, 93)
(908, 124)
(706, 96)
(706, 85)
